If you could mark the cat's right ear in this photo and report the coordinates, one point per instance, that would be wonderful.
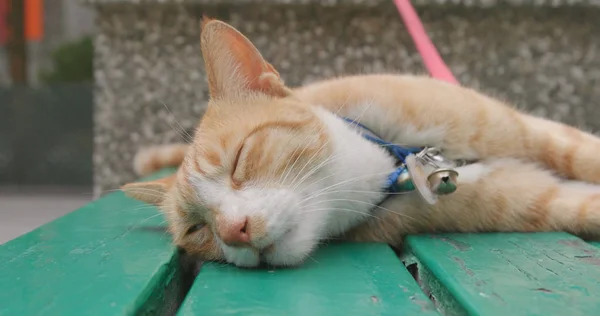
(151, 192)
(234, 65)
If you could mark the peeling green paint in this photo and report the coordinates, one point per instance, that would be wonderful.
(510, 273)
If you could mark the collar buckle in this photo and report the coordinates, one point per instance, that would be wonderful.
(424, 169)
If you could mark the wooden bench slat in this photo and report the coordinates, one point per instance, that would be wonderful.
(341, 279)
(100, 259)
(509, 274)
(595, 243)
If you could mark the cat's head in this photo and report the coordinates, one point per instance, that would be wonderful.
(238, 196)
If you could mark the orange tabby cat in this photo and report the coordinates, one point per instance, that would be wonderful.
(273, 171)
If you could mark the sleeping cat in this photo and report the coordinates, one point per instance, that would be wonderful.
(274, 171)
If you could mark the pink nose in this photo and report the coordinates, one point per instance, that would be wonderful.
(235, 233)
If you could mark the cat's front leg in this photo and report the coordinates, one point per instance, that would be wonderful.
(153, 158)
(385, 227)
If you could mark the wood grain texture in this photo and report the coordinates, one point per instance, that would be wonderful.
(340, 279)
(108, 258)
(509, 274)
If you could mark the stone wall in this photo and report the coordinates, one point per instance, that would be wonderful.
(545, 59)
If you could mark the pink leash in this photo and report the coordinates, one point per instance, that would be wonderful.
(431, 58)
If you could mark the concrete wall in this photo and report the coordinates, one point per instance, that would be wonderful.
(78, 19)
(543, 59)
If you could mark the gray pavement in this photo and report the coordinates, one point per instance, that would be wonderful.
(24, 209)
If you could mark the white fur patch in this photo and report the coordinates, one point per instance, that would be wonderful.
(582, 186)
(473, 172)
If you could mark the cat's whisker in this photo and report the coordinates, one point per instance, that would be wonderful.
(309, 211)
(360, 191)
(183, 133)
(112, 190)
(325, 177)
(166, 232)
(149, 193)
(337, 156)
(364, 111)
(328, 188)
(314, 155)
(346, 102)
(306, 137)
(329, 160)
(139, 207)
(159, 193)
(289, 170)
(146, 191)
(109, 191)
(163, 206)
(361, 202)
(294, 183)
(313, 259)
(136, 208)
(138, 224)
(313, 196)
(289, 167)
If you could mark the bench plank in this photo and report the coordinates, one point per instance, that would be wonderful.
(342, 279)
(509, 274)
(99, 260)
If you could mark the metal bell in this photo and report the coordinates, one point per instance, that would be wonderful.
(443, 181)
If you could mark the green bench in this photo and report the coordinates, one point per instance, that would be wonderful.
(112, 257)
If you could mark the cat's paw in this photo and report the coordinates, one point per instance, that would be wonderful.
(150, 159)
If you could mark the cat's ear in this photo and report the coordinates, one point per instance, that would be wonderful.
(234, 65)
(151, 192)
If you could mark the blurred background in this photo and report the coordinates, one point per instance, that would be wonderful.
(85, 83)
(46, 102)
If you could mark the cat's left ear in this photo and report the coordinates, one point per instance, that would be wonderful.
(234, 65)
(151, 192)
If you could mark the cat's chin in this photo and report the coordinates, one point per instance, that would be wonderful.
(251, 258)
(242, 257)
(292, 249)
(289, 251)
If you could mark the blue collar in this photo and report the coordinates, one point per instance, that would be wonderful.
(392, 185)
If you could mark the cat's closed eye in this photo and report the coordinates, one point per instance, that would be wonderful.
(194, 228)
(236, 183)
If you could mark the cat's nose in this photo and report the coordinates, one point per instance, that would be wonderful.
(235, 233)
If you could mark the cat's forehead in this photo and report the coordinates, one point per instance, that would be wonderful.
(245, 113)
(227, 122)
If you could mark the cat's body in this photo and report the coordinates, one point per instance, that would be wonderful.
(274, 171)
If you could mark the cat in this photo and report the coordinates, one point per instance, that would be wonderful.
(273, 171)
